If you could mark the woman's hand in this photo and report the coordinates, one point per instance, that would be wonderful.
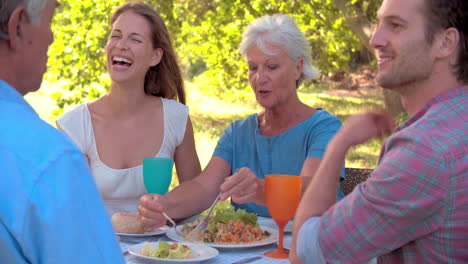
(244, 186)
(151, 208)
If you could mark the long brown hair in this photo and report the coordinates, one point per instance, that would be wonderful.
(165, 78)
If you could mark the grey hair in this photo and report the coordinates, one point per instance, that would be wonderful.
(33, 8)
(280, 30)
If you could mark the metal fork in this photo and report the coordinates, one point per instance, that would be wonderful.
(197, 233)
(173, 225)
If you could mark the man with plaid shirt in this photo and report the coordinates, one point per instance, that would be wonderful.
(414, 206)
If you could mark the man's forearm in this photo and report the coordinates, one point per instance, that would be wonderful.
(321, 192)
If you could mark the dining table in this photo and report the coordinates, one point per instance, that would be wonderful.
(227, 255)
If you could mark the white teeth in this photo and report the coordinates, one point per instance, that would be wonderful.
(120, 59)
(383, 59)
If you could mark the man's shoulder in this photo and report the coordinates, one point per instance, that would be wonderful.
(25, 134)
(442, 133)
(442, 120)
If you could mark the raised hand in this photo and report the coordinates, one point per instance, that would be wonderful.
(362, 127)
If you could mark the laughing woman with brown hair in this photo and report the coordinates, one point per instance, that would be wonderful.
(139, 116)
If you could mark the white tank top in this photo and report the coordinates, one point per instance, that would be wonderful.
(121, 189)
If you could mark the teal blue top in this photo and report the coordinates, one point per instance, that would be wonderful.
(242, 145)
(50, 209)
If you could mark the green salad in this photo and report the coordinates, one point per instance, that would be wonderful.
(223, 215)
(167, 250)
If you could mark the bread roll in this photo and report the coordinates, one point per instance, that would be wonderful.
(128, 223)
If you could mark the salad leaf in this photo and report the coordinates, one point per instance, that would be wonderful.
(163, 244)
(181, 252)
(230, 213)
(166, 250)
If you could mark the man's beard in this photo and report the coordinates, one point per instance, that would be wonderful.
(406, 69)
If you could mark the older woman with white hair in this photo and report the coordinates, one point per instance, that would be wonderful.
(287, 137)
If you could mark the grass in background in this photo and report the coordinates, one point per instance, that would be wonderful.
(211, 115)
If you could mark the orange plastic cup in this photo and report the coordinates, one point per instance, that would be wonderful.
(283, 194)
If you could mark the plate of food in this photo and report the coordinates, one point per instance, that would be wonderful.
(230, 228)
(129, 224)
(173, 252)
(151, 232)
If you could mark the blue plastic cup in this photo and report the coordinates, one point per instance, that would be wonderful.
(157, 174)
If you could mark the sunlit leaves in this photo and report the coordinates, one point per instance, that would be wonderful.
(206, 34)
(77, 55)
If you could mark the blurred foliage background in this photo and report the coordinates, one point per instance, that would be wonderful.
(206, 35)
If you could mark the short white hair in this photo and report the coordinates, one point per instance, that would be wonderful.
(280, 30)
(33, 8)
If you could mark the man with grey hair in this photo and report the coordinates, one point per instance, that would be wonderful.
(50, 209)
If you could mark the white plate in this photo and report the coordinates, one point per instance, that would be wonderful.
(266, 221)
(200, 252)
(157, 231)
(269, 240)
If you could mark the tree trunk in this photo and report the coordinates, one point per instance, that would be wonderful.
(358, 23)
(361, 26)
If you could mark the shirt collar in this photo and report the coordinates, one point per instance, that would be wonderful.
(447, 95)
(10, 94)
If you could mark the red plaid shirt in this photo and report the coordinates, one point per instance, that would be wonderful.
(414, 206)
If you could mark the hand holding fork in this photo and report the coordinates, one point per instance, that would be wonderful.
(197, 233)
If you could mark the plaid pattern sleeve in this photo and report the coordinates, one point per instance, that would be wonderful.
(413, 208)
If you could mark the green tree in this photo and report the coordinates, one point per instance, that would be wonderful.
(206, 35)
(77, 57)
(359, 16)
(212, 31)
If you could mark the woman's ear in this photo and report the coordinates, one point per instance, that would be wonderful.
(157, 56)
(15, 27)
(299, 67)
